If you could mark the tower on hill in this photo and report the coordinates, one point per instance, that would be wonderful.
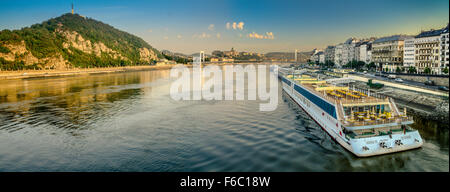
(72, 8)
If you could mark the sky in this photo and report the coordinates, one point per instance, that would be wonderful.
(189, 26)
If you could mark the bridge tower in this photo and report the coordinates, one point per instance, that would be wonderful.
(295, 56)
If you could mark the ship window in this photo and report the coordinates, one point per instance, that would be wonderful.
(286, 81)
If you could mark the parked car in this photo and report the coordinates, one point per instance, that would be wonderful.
(430, 82)
(392, 76)
(398, 80)
(443, 88)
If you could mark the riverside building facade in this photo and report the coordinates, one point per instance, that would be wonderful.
(387, 52)
(428, 52)
(408, 53)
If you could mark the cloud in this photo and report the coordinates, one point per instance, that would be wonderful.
(202, 36)
(268, 35)
(235, 26)
(218, 35)
(179, 36)
(149, 30)
(165, 37)
(211, 27)
(240, 26)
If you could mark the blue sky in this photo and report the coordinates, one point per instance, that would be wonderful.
(188, 26)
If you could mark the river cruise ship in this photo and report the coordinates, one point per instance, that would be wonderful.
(363, 122)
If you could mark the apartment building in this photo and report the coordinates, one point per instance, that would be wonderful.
(365, 52)
(409, 53)
(329, 53)
(428, 52)
(348, 50)
(338, 55)
(387, 52)
(444, 48)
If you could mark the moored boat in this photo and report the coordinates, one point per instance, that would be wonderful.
(363, 122)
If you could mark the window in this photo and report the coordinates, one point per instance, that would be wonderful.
(286, 81)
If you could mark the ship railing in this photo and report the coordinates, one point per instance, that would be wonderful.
(396, 119)
(374, 98)
(363, 100)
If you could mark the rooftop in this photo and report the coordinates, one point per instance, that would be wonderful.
(433, 32)
(391, 38)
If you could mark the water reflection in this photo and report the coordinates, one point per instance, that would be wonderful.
(128, 122)
(70, 103)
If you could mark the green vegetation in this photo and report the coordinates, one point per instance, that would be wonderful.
(445, 70)
(327, 64)
(427, 70)
(4, 49)
(15, 65)
(43, 41)
(358, 65)
(177, 59)
(412, 70)
(374, 85)
(247, 57)
(371, 66)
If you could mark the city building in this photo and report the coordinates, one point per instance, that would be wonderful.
(214, 59)
(231, 53)
(338, 55)
(444, 49)
(321, 57)
(329, 53)
(365, 52)
(428, 52)
(315, 57)
(408, 53)
(163, 62)
(387, 52)
(348, 50)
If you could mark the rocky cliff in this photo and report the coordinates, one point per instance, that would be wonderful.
(72, 41)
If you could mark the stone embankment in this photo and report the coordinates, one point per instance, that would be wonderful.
(25, 74)
(427, 106)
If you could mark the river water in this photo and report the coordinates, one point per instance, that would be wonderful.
(128, 122)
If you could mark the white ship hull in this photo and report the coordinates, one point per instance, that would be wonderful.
(361, 147)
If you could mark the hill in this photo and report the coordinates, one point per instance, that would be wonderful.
(72, 41)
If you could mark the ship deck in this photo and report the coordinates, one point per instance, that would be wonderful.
(356, 98)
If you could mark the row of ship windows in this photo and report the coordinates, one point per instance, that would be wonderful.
(327, 107)
(308, 104)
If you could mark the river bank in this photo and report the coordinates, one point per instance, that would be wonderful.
(25, 74)
(427, 106)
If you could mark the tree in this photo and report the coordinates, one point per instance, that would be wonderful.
(4, 49)
(398, 70)
(329, 64)
(412, 70)
(371, 66)
(445, 70)
(427, 70)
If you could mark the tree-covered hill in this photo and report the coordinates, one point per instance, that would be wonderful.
(72, 41)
